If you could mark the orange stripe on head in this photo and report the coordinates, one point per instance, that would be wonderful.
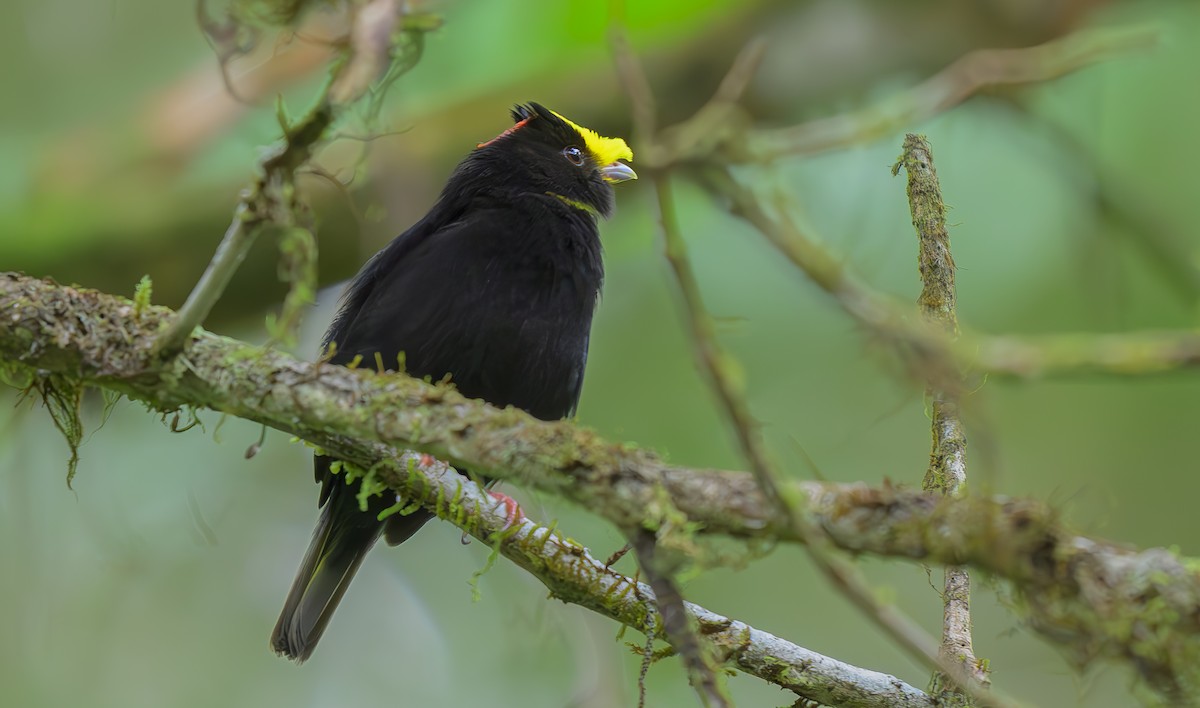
(510, 131)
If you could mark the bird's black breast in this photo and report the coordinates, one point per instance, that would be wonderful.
(500, 300)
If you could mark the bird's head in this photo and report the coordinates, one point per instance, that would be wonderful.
(545, 153)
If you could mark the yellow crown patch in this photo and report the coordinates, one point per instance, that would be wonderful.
(605, 150)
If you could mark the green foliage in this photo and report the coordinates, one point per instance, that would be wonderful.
(62, 398)
(15, 375)
(141, 294)
(1047, 243)
(476, 596)
(270, 13)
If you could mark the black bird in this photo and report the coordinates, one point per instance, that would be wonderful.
(495, 287)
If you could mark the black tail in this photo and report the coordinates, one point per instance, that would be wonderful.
(341, 540)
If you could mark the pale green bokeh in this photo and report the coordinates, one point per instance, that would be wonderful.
(115, 595)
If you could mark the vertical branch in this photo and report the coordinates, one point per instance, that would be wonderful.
(947, 471)
(720, 368)
(841, 574)
(677, 625)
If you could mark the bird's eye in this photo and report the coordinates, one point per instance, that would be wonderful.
(574, 155)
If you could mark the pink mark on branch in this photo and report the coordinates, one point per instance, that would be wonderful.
(512, 510)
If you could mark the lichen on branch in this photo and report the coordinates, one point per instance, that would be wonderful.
(1093, 598)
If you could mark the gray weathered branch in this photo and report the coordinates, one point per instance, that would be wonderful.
(1096, 599)
(74, 336)
(947, 473)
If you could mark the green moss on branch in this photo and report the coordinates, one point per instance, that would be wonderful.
(1095, 598)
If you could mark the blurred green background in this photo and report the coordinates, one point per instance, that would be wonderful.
(156, 581)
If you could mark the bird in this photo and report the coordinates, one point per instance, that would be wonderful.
(493, 289)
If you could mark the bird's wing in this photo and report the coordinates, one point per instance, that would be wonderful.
(465, 298)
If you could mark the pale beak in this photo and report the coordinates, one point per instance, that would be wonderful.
(617, 172)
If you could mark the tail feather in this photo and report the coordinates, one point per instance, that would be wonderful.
(336, 552)
(343, 536)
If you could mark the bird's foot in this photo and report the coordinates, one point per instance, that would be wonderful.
(512, 510)
(427, 460)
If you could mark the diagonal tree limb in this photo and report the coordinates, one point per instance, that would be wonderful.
(701, 674)
(717, 365)
(675, 620)
(970, 74)
(1093, 598)
(106, 342)
(929, 352)
(718, 368)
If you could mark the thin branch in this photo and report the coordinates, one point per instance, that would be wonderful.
(1093, 598)
(717, 365)
(970, 74)
(718, 122)
(272, 199)
(632, 76)
(676, 624)
(572, 575)
(926, 352)
(930, 353)
(844, 576)
(947, 471)
(880, 314)
(1140, 353)
(701, 674)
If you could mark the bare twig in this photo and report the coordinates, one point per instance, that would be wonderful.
(717, 366)
(947, 471)
(881, 315)
(718, 121)
(701, 673)
(1140, 353)
(967, 76)
(676, 624)
(632, 76)
(931, 353)
(270, 200)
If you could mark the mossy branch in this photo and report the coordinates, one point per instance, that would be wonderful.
(59, 334)
(1094, 598)
(947, 473)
